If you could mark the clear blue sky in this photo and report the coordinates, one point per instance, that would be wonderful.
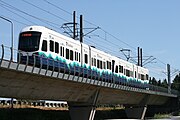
(153, 25)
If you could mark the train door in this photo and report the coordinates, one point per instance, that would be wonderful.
(85, 63)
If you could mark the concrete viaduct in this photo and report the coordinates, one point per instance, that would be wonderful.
(82, 94)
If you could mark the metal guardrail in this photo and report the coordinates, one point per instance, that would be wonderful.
(33, 104)
(19, 103)
(5, 53)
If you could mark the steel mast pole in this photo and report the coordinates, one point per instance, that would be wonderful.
(12, 41)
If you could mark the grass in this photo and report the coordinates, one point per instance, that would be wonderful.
(33, 114)
(40, 114)
(161, 116)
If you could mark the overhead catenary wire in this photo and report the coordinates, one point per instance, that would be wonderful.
(90, 24)
(1, 5)
(103, 30)
(44, 10)
(40, 19)
(55, 25)
(14, 20)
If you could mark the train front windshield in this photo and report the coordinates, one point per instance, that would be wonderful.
(29, 41)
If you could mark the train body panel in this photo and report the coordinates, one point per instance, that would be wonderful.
(56, 51)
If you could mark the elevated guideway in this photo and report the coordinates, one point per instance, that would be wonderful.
(82, 94)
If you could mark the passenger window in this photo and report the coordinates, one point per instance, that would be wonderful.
(44, 46)
(79, 57)
(86, 58)
(108, 65)
(76, 56)
(147, 76)
(104, 65)
(116, 70)
(51, 46)
(94, 62)
(61, 54)
(63, 51)
(71, 55)
(56, 47)
(98, 64)
(67, 53)
(142, 77)
(120, 69)
(128, 73)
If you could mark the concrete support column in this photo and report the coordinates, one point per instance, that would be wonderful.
(85, 110)
(136, 112)
(81, 112)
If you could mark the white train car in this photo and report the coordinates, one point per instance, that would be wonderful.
(57, 51)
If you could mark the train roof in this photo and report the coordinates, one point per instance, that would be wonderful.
(47, 30)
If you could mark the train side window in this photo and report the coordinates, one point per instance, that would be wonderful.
(44, 46)
(71, 55)
(128, 73)
(61, 51)
(116, 70)
(120, 69)
(147, 77)
(67, 53)
(86, 58)
(75, 56)
(56, 47)
(135, 74)
(92, 61)
(142, 77)
(51, 46)
(110, 65)
(104, 65)
(98, 66)
(79, 57)
(95, 62)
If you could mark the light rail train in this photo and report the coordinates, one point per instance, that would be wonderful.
(57, 52)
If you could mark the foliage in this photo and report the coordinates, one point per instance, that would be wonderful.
(160, 83)
(176, 83)
(163, 83)
(161, 116)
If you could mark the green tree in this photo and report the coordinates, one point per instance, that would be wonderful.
(150, 81)
(176, 83)
(154, 81)
(164, 83)
(159, 83)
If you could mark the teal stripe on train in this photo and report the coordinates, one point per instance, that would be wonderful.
(74, 63)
